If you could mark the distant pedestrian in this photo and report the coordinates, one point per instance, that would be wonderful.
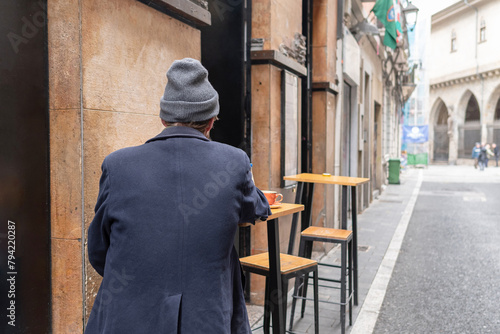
(496, 152)
(482, 158)
(489, 154)
(475, 153)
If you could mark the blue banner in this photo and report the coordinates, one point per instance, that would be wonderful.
(415, 134)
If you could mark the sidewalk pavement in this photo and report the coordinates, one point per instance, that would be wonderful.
(381, 228)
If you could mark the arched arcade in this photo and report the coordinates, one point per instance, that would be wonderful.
(469, 128)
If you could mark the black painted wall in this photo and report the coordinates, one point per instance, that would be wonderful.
(24, 167)
(224, 51)
(223, 48)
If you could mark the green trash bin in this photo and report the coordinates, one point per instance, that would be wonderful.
(394, 167)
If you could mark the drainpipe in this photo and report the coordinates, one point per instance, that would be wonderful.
(307, 9)
(306, 163)
(248, 76)
(483, 126)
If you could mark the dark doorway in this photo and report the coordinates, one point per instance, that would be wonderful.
(497, 111)
(24, 168)
(225, 54)
(470, 132)
(495, 128)
(377, 149)
(472, 112)
(441, 138)
(345, 164)
(365, 136)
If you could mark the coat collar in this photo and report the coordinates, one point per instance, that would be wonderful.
(179, 131)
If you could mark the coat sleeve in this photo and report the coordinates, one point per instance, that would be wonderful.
(254, 203)
(100, 227)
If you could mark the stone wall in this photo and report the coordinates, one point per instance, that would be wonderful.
(107, 64)
(276, 21)
(324, 50)
(371, 92)
(324, 40)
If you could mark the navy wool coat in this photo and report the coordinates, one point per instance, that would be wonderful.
(162, 236)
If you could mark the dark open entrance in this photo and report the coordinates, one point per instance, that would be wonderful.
(377, 148)
(495, 128)
(441, 138)
(470, 132)
(24, 168)
(225, 52)
(345, 167)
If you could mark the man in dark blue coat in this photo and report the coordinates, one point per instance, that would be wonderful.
(165, 221)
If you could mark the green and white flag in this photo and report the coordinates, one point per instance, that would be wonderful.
(389, 13)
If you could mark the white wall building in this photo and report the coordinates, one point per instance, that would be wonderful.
(464, 79)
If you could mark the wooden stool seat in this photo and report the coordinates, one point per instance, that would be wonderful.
(327, 233)
(291, 266)
(289, 263)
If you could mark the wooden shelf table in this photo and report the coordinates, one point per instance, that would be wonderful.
(345, 182)
(276, 303)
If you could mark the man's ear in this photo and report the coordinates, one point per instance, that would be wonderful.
(211, 124)
(209, 127)
(163, 122)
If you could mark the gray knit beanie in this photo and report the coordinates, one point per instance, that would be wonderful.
(189, 96)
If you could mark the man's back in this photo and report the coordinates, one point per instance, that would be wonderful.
(171, 208)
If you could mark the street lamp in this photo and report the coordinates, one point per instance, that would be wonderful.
(411, 13)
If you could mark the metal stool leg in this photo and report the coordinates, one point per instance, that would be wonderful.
(304, 294)
(298, 282)
(349, 247)
(284, 287)
(343, 285)
(267, 310)
(316, 302)
(304, 250)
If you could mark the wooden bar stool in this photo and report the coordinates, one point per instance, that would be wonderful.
(323, 234)
(291, 266)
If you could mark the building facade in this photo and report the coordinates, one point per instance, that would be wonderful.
(465, 80)
(300, 91)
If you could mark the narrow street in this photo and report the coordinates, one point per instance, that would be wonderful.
(446, 278)
(429, 258)
(139, 139)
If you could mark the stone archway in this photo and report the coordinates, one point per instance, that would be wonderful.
(495, 127)
(493, 117)
(440, 135)
(469, 130)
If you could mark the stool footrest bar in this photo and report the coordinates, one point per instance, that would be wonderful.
(326, 301)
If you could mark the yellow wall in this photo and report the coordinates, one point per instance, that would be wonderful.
(276, 21)
(107, 66)
(324, 40)
(324, 50)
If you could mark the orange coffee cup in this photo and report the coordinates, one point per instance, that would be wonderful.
(273, 197)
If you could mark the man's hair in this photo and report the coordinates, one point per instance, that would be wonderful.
(200, 125)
